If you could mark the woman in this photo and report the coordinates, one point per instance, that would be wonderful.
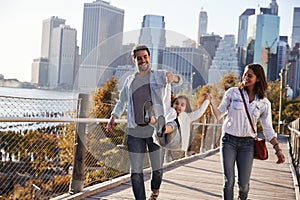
(238, 137)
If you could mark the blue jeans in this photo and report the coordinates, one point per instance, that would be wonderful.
(239, 150)
(137, 147)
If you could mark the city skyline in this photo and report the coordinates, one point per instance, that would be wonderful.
(21, 26)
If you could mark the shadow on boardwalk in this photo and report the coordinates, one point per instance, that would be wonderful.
(200, 177)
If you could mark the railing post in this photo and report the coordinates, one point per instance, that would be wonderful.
(214, 133)
(77, 179)
(203, 136)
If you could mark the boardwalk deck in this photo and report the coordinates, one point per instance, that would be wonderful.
(201, 178)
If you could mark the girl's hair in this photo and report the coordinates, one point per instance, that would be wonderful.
(261, 85)
(188, 105)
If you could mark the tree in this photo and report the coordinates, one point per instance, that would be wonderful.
(273, 92)
(102, 144)
(10, 143)
(229, 80)
(290, 108)
(104, 99)
(291, 112)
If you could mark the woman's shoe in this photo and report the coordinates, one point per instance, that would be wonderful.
(153, 196)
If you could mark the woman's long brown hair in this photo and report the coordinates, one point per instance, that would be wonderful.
(261, 86)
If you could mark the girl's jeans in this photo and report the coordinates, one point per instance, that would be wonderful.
(239, 150)
(137, 149)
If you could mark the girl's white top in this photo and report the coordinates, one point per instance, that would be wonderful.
(236, 122)
(184, 119)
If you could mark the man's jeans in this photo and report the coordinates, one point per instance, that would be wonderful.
(137, 147)
(239, 150)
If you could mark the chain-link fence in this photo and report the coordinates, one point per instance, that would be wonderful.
(35, 155)
(46, 149)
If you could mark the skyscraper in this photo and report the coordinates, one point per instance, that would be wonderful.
(282, 57)
(210, 43)
(153, 35)
(190, 62)
(62, 59)
(101, 42)
(225, 60)
(274, 7)
(294, 70)
(266, 39)
(243, 32)
(39, 72)
(48, 26)
(296, 27)
(202, 29)
(40, 67)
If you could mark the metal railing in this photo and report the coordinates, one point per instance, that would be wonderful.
(294, 129)
(63, 154)
(32, 138)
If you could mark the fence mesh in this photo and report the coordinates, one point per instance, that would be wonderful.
(37, 158)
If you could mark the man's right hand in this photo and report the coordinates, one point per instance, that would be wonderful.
(111, 123)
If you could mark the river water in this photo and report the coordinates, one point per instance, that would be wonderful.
(37, 93)
(19, 102)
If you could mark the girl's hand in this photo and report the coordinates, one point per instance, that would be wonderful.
(172, 77)
(207, 97)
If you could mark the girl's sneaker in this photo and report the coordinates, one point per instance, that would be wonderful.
(161, 125)
(147, 111)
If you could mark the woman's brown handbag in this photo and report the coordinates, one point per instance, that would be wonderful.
(260, 148)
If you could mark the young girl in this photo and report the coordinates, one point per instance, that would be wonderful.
(175, 133)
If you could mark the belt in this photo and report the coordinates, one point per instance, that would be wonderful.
(143, 125)
(238, 138)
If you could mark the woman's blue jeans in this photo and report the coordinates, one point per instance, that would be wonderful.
(239, 150)
(137, 147)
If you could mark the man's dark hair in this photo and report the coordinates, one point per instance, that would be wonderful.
(139, 47)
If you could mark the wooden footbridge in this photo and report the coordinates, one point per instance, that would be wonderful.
(200, 177)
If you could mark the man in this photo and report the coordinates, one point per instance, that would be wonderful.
(138, 89)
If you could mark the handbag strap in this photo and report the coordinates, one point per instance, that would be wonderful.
(248, 115)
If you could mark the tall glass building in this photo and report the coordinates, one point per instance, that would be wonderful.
(274, 7)
(266, 39)
(153, 35)
(282, 55)
(296, 27)
(48, 26)
(63, 55)
(101, 42)
(202, 29)
(47, 40)
(243, 36)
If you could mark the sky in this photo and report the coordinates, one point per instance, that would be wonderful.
(21, 22)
